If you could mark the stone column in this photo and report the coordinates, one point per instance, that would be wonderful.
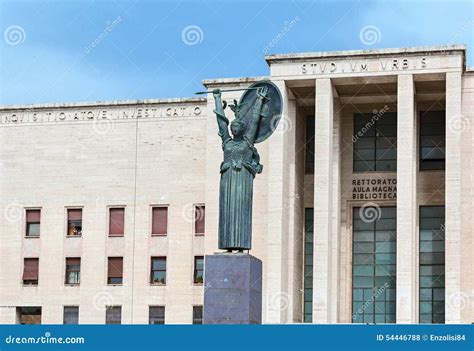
(454, 127)
(406, 201)
(277, 295)
(323, 202)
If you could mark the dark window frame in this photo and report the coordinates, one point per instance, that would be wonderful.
(431, 262)
(156, 314)
(198, 279)
(114, 280)
(160, 281)
(74, 227)
(68, 270)
(376, 133)
(28, 223)
(111, 209)
(309, 159)
(111, 313)
(198, 314)
(427, 120)
(152, 229)
(30, 282)
(71, 308)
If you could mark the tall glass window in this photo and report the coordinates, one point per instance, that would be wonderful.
(432, 294)
(375, 142)
(308, 266)
(374, 264)
(309, 145)
(432, 140)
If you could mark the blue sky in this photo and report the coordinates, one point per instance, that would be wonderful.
(58, 51)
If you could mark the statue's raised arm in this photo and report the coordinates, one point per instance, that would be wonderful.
(257, 113)
(222, 121)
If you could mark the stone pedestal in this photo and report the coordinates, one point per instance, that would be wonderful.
(232, 289)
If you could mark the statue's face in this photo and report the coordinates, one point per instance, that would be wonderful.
(237, 129)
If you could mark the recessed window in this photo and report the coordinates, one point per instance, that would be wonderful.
(30, 271)
(73, 270)
(113, 315)
(308, 266)
(158, 270)
(432, 264)
(116, 221)
(74, 222)
(374, 264)
(309, 145)
(198, 269)
(432, 140)
(159, 220)
(115, 270)
(33, 220)
(71, 315)
(199, 219)
(197, 314)
(28, 315)
(156, 315)
(375, 142)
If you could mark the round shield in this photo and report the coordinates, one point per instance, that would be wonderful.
(271, 112)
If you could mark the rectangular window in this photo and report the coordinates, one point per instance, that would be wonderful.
(375, 142)
(199, 219)
(30, 271)
(158, 270)
(74, 222)
(28, 315)
(73, 270)
(197, 314)
(113, 315)
(115, 270)
(33, 220)
(116, 221)
(432, 140)
(159, 221)
(156, 315)
(198, 269)
(71, 315)
(309, 145)
(432, 269)
(308, 266)
(374, 264)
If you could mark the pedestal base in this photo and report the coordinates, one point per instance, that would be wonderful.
(232, 289)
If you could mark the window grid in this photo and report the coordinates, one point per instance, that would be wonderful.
(375, 142)
(374, 265)
(71, 315)
(156, 315)
(432, 140)
(113, 315)
(308, 267)
(158, 270)
(198, 277)
(432, 269)
(73, 271)
(309, 145)
(197, 314)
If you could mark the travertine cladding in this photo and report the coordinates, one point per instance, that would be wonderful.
(151, 152)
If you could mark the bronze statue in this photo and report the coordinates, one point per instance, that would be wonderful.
(256, 117)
